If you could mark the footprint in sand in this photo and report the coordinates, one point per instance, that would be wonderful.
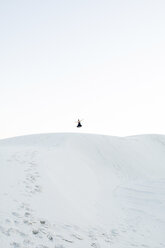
(15, 245)
(16, 214)
(95, 245)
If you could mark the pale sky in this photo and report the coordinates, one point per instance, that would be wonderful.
(98, 60)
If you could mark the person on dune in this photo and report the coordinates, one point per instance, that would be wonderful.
(79, 123)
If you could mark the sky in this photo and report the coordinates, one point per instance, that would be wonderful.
(102, 61)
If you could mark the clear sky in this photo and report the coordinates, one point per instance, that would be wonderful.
(98, 60)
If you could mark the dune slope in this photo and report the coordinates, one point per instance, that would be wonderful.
(82, 190)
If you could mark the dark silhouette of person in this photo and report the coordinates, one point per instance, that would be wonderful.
(79, 123)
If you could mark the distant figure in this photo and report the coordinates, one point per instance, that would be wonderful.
(79, 123)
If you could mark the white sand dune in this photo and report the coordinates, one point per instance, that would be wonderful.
(82, 190)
